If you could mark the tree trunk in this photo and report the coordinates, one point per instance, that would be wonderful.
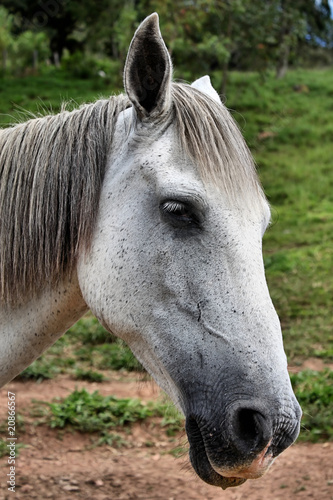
(56, 59)
(35, 60)
(226, 62)
(224, 77)
(282, 66)
(4, 59)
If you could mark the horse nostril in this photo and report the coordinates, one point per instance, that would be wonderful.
(250, 430)
(248, 424)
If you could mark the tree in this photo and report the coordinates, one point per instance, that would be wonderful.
(58, 18)
(202, 35)
(6, 39)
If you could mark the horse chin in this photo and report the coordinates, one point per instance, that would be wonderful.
(227, 477)
(256, 469)
(231, 477)
(208, 474)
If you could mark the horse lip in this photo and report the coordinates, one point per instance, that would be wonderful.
(256, 469)
(226, 477)
(210, 475)
(205, 470)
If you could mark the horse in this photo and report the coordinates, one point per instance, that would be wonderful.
(146, 208)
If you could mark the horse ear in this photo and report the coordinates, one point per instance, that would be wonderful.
(204, 85)
(148, 70)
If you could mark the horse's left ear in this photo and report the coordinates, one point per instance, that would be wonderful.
(204, 85)
(148, 70)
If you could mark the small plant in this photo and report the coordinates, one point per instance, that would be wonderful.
(111, 439)
(90, 332)
(314, 391)
(173, 420)
(117, 356)
(39, 370)
(89, 375)
(3, 448)
(91, 413)
(87, 412)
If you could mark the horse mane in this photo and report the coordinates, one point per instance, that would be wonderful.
(52, 169)
(211, 137)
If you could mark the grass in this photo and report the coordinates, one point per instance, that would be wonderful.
(290, 134)
(19, 428)
(85, 351)
(314, 391)
(94, 413)
(295, 166)
(45, 94)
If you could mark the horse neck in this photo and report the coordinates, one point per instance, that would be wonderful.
(27, 330)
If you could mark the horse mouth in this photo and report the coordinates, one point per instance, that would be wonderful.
(202, 466)
(225, 476)
(204, 469)
(230, 477)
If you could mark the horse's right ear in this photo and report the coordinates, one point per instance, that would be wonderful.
(148, 70)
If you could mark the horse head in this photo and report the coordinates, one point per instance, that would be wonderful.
(175, 267)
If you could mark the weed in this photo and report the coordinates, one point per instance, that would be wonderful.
(4, 448)
(39, 370)
(314, 391)
(95, 413)
(90, 332)
(89, 375)
(117, 356)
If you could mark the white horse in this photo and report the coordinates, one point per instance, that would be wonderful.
(146, 209)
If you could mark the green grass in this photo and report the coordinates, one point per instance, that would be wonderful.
(89, 375)
(87, 412)
(314, 391)
(295, 166)
(83, 352)
(94, 413)
(46, 93)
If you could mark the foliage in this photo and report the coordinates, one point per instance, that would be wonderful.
(87, 345)
(314, 391)
(117, 356)
(90, 332)
(83, 66)
(39, 371)
(27, 44)
(4, 448)
(94, 413)
(202, 35)
(89, 375)
(6, 24)
(109, 352)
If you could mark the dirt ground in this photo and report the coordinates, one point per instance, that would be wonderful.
(66, 466)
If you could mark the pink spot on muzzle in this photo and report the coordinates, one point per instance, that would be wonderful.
(254, 470)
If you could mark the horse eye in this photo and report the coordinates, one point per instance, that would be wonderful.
(179, 213)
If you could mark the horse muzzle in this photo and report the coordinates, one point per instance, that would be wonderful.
(240, 446)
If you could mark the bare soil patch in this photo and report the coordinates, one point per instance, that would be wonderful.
(65, 465)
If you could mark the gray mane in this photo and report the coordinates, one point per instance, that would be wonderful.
(51, 172)
(211, 137)
(52, 169)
